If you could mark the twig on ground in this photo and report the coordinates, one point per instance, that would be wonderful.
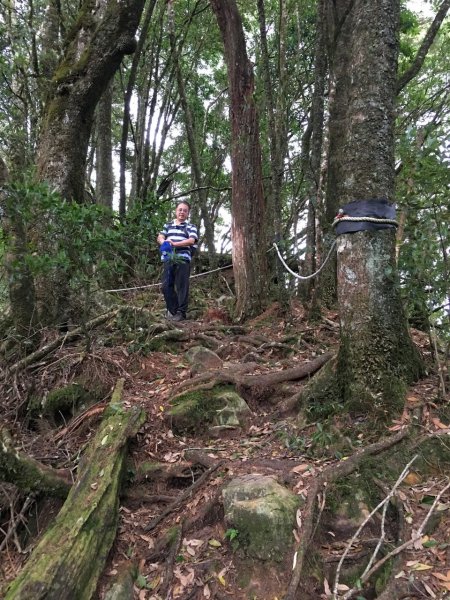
(384, 503)
(15, 522)
(182, 497)
(417, 535)
(330, 474)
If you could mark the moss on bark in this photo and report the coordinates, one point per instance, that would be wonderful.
(27, 473)
(68, 560)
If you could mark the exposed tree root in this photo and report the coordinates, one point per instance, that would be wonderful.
(61, 340)
(206, 513)
(215, 377)
(165, 471)
(28, 474)
(182, 497)
(329, 475)
(170, 562)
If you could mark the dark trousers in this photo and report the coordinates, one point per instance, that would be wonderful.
(175, 286)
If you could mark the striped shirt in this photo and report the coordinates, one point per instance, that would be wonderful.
(178, 233)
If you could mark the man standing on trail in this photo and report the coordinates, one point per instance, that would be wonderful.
(177, 240)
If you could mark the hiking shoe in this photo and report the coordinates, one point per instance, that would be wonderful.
(178, 317)
(170, 316)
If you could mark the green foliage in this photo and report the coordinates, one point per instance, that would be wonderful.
(422, 188)
(86, 242)
(232, 535)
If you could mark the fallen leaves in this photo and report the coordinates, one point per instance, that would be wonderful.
(443, 580)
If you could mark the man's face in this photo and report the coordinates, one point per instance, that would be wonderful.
(182, 212)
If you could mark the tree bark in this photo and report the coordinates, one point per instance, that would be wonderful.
(247, 204)
(314, 155)
(104, 182)
(275, 107)
(126, 104)
(70, 557)
(94, 52)
(376, 356)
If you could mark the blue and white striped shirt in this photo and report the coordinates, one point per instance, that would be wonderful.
(178, 233)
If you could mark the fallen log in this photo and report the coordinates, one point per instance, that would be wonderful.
(70, 557)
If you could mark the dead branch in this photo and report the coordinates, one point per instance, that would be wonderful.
(15, 522)
(61, 340)
(417, 535)
(384, 503)
(96, 409)
(329, 475)
(182, 497)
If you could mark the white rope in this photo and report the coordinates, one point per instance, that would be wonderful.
(143, 287)
(296, 275)
(366, 219)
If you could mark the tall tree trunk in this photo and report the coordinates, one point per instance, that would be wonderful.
(93, 54)
(247, 205)
(96, 45)
(376, 355)
(104, 182)
(277, 121)
(314, 153)
(126, 104)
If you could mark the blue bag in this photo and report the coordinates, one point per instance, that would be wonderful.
(166, 250)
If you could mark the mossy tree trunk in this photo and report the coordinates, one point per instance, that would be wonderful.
(95, 47)
(71, 555)
(376, 355)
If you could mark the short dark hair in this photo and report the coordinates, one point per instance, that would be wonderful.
(183, 202)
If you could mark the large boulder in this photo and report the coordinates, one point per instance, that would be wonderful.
(263, 514)
(206, 409)
(202, 359)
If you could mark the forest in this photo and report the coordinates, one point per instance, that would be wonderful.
(289, 439)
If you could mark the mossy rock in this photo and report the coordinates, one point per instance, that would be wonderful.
(202, 359)
(220, 406)
(61, 403)
(263, 514)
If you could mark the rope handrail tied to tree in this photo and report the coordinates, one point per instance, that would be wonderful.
(304, 277)
(342, 217)
(381, 218)
(150, 285)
